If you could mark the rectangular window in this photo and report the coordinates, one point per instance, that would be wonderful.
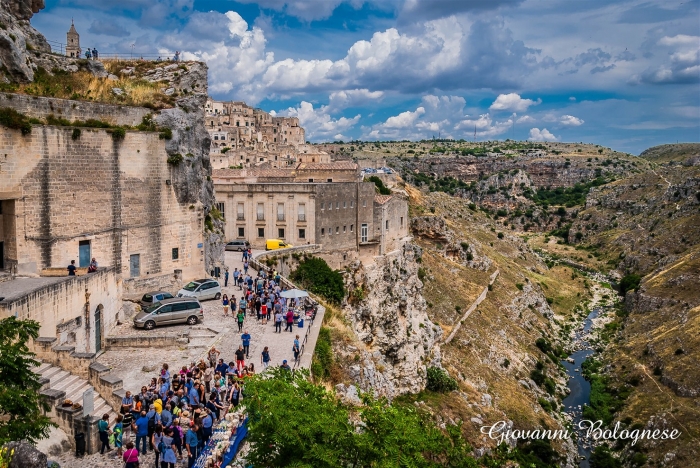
(337, 229)
(323, 206)
(261, 232)
(387, 224)
(337, 205)
(345, 204)
(330, 231)
(352, 227)
(345, 228)
(302, 233)
(261, 212)
(302, 212)
(401, 221)
(240, 213)
(311, 180)
(280, 212)
(323, 231)
(329, 180)
(363, 233)
(221, 207)
(176, 253)
(352, 204)
(241, 232)
(280, 233)
(364, 203)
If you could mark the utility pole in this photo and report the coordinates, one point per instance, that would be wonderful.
(131, 57)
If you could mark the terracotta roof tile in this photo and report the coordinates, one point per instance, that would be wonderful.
(381, 199)
(338, 165)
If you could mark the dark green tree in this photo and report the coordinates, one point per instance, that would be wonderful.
(315, 275)
(294, 422)
(21, 406)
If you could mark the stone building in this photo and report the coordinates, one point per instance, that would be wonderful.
(74, 194)
(73, 42)
(326, 204)
(243, 136)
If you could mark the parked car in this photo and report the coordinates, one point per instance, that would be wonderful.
(152, 297)
(201, 289)
(274, 244)
(238, 245)
(170, 311)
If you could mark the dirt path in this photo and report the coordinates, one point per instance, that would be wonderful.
(473, 307)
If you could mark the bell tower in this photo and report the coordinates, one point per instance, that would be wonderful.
(73, 42)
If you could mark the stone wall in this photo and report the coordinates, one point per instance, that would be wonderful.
(40, 107)
(115, 195)
(341, 209)
(60, 309)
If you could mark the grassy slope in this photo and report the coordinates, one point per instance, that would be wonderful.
(492, 333)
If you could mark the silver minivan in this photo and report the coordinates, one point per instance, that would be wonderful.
(170, 311)
(201, 289)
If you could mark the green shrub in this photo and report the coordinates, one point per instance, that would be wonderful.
(76, 134)
(165, 134)
(520, 286)
(383, 190)
(630, 282)
(60, 121)
(10, 118)
(315, 275)
(545, 404)
(464, 245)
(175, 159)
(322, 359)
(118, 133)
(440, 381)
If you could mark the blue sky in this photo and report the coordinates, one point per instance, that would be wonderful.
(624, 74)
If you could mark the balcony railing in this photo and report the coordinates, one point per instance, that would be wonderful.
(302, 217)
(280, 216)
(261, 217)
(240, 217)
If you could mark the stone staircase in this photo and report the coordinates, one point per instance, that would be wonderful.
(72, 388)
(202, 337)
(58, 385)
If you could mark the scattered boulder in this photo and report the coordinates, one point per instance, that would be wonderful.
(25, 455)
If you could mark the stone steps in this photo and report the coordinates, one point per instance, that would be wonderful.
(74, 386)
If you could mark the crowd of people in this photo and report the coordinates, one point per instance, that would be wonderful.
(174, 415)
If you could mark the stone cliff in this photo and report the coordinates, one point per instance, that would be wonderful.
(396, 340)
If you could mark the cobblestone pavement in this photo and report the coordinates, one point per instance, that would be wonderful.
(216, 330)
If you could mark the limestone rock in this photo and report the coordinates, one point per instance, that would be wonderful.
(348, 394)
(25, 456)
(393, 323)
(118, 91)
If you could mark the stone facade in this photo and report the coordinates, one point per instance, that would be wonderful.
(75, 311)
(245, 136)
(109, 199)
(325, 204)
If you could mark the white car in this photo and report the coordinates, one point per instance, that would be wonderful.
(202, 289)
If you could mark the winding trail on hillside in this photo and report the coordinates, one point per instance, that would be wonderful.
(473, 307)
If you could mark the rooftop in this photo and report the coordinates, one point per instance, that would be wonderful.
(338, 166)
(381, 199)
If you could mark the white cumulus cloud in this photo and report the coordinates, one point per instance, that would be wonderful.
(570, 121)
(512, 102)
(541, 135)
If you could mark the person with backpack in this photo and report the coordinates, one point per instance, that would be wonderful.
(157, 442)
(153, 421)
(131, 456)
(177, 437)
(167, 449)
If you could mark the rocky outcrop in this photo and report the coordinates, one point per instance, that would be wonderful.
(435, 228)
(190, 142)
(391, 322)
(24, 455)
